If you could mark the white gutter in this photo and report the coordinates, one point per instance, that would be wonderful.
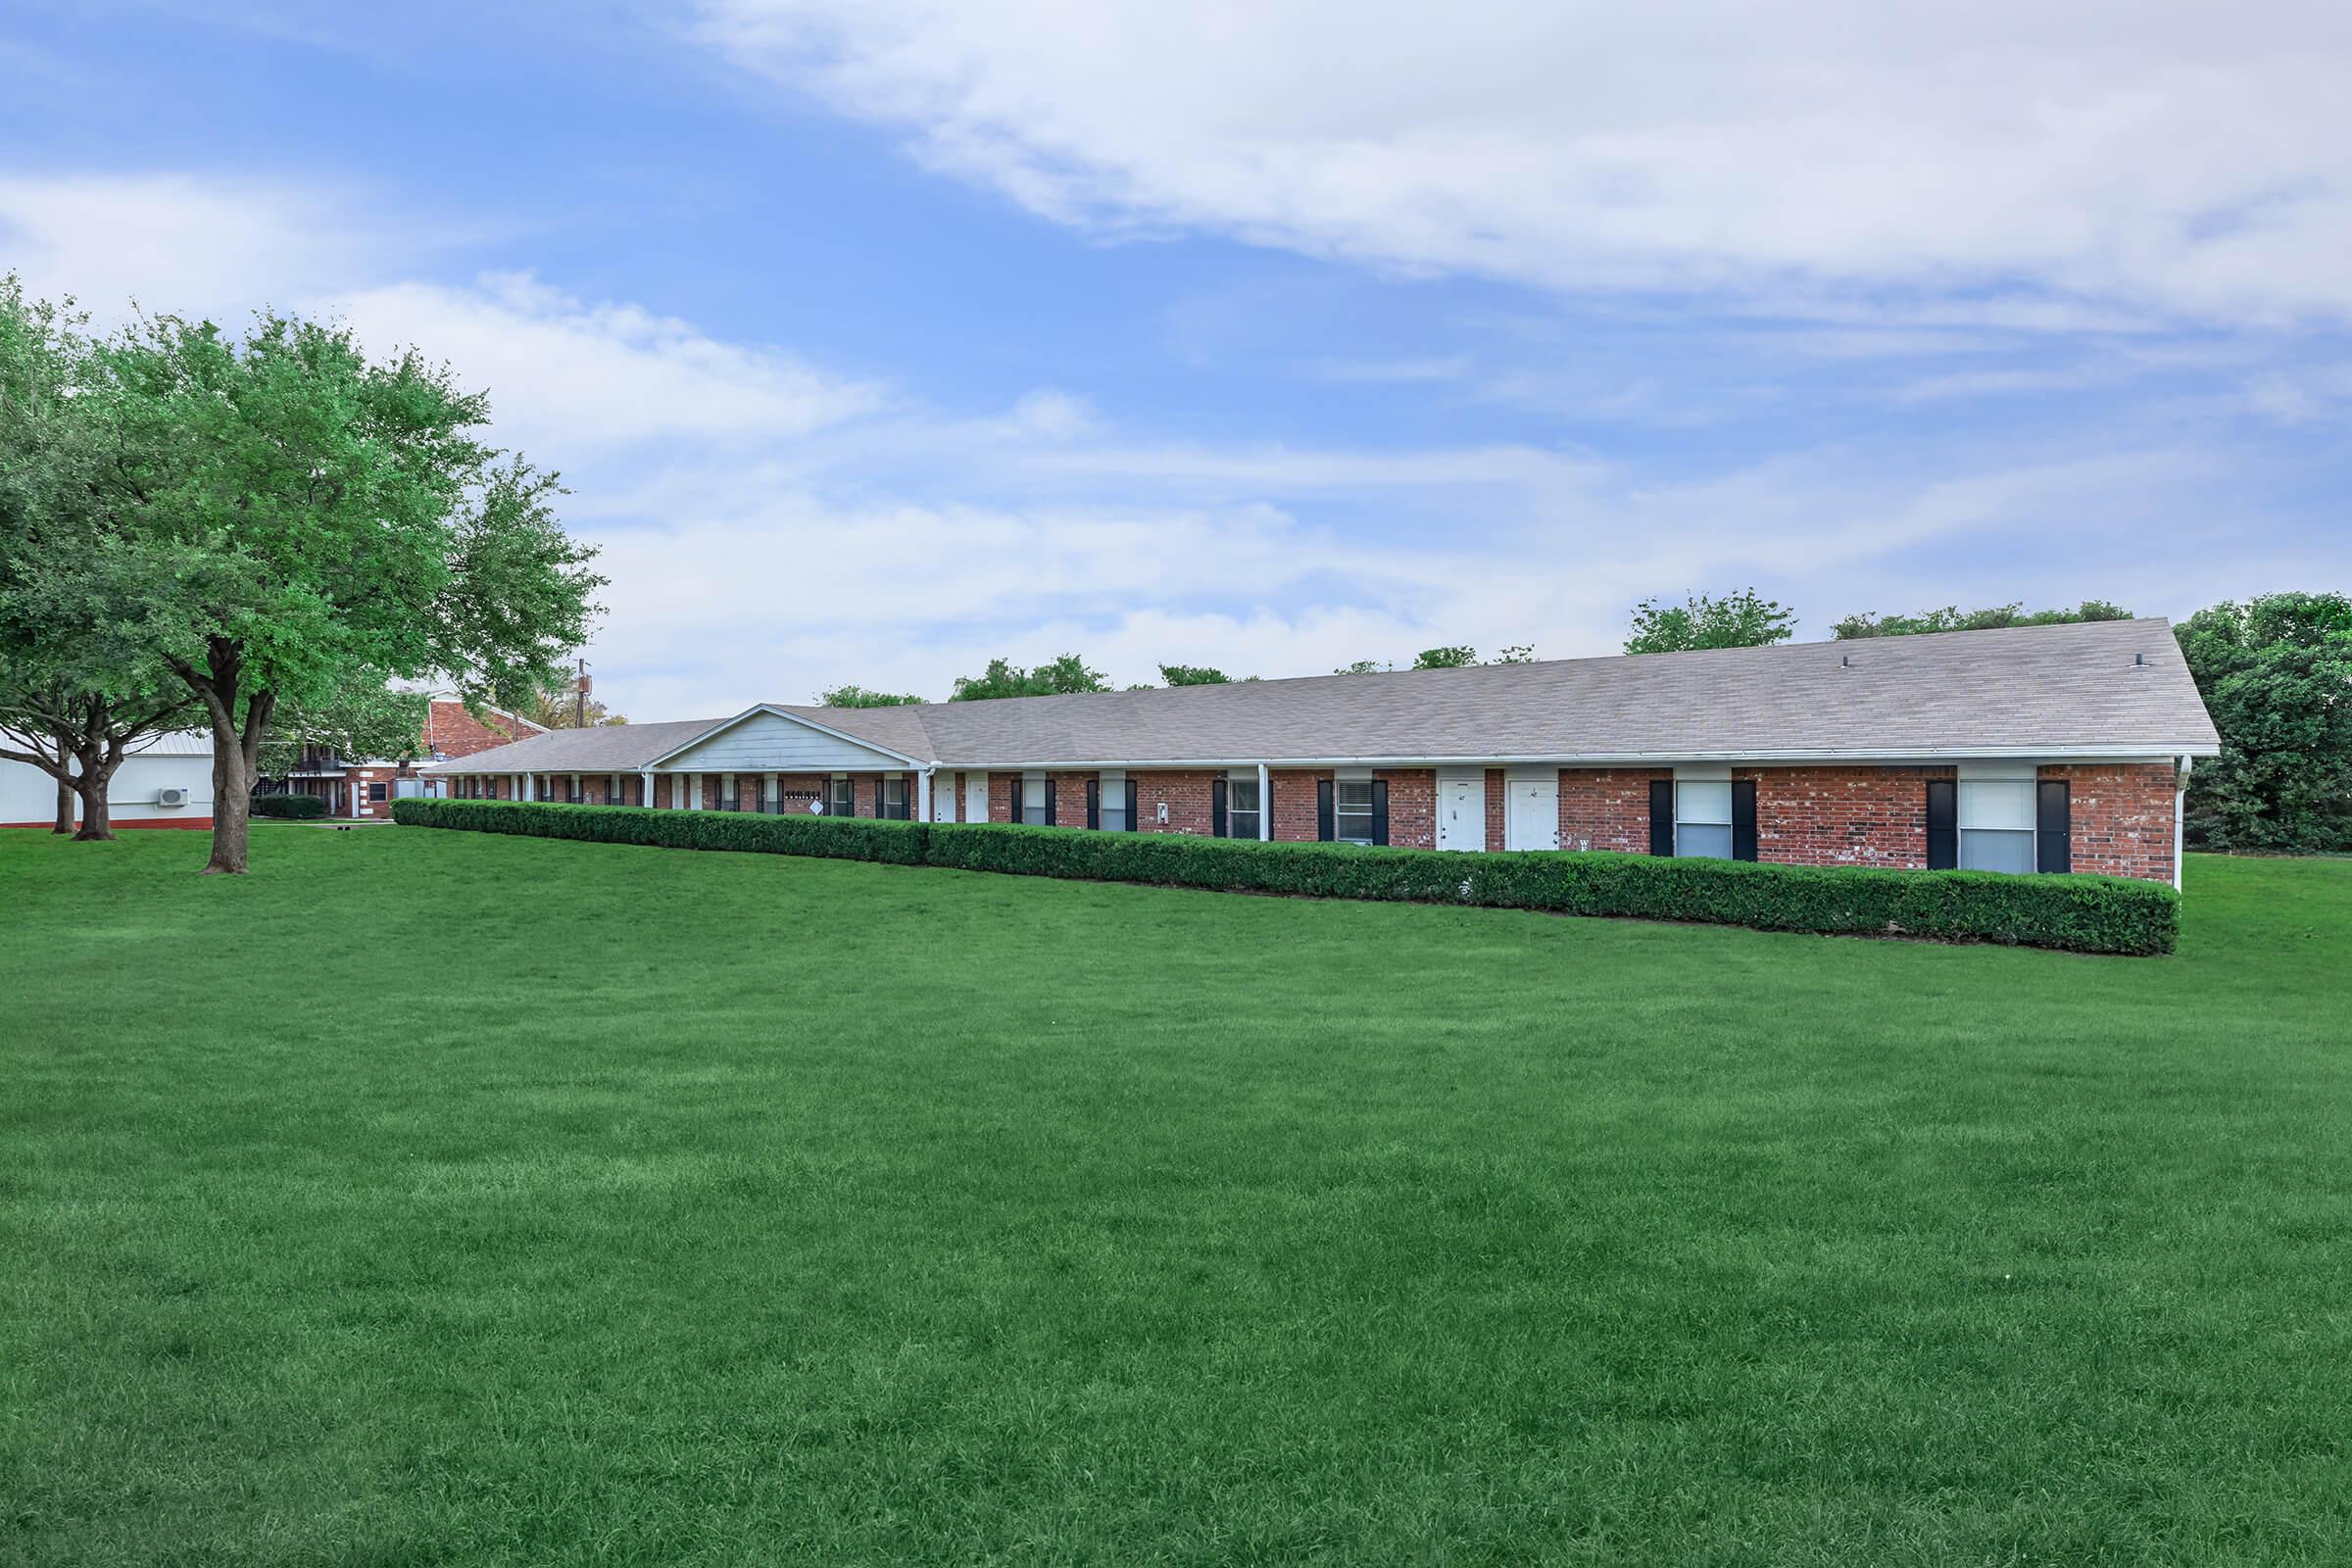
(2180, 818)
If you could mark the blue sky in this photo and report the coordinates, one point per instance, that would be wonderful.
(877, 339)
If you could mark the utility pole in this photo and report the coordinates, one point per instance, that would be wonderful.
(579, 689)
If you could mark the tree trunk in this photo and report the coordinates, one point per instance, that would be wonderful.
(237, 755)
(232, 812)
(232, 800)
(97, 817)
(66, 801)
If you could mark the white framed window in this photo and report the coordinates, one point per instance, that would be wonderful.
(1352, 811)
(1995, 818)
(841, 801)
(1112, 801)
(1241, 807)
(1702, 818)
(894, 796)
(1033, 798)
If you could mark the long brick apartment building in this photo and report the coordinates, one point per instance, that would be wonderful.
(2051, 748)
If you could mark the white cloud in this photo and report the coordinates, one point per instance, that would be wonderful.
(193, 245)
(754, 589)
(2171, 156)
(773, 526)
(569, 377)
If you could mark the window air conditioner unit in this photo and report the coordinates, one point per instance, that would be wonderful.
(170, 797)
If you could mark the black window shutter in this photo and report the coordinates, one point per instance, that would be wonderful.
(1323, 824)
(1661, 816)
(1053, 819)
(1380, 810)
(2053, 814)
(1131, 792)
(1093, 803)
(1743, 819)
(1216, 809)
(1944, 824)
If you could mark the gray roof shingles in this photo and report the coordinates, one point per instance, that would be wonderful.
(2055, 689)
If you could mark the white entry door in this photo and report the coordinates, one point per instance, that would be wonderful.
(975, 797)
(1531, 818)
(1462, 813)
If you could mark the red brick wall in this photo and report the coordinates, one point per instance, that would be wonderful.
(1412, 807)
(1190, 802)
(1852, 815)
(1294, 807)
(2122, 814)
(1498, 807)
(1186, 792)
(1842, 816)
(453, 732)
(1604, 809)
(2122, 818)
(794, 791)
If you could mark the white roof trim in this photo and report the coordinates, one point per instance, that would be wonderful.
(756, 709)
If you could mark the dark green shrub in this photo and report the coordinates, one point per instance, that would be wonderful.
(2085, 913)
(293, 807)
(835, 838)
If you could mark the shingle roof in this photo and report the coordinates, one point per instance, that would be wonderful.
(599, 749)
(2053, 690)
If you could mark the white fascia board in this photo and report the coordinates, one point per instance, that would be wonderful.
(756, 709)
(1783, 757)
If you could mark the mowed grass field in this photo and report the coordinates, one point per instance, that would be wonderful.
(429, 1198)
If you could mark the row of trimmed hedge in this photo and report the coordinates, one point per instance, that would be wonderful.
(2077, 913)
(293, 807)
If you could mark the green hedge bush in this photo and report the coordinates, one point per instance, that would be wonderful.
(293, 807)
(2081, 913)
(835, 838)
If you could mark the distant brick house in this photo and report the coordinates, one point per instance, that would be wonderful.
(2053, 748)
(367, 788)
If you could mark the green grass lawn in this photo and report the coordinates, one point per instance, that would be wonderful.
(433, 1198)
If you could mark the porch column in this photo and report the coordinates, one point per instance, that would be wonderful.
(646, 775)
(923, 796)
(1265, 802)
(524, 787)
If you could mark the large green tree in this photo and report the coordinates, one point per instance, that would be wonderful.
(78, 690)
(1745, 619)
(363, 717)
(1952, 617)
(301, 511)
(572, 709)
(1001, 679)
(855, 696)
(2276, 673)
(1193, 675)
